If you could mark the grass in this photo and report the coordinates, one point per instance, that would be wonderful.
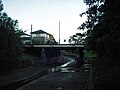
(89, 54)
(86, 54)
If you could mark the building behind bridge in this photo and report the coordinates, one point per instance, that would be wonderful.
(42, 37)
(25, 38)
(38, 37)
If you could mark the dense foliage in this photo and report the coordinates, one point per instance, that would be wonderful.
(78, 38)
(103, 37)
(103, 34)
(10, 45)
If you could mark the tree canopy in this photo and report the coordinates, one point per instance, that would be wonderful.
(10, 45)
(103, 37)
(102, 25)
(76, 39)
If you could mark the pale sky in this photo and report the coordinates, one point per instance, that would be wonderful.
(46, 14)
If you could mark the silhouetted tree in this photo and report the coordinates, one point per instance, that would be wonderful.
(76, 39)
(103, 36)
(10, 45)
(102, 25)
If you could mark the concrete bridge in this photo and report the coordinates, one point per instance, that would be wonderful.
(55, 50)
(57, 45)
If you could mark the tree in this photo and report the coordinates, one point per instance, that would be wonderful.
(102, 24)
(103, 36)
(94, 13)
(10, 45)
(76, 39)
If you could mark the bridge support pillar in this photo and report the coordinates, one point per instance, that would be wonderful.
(43, 56)
(79, 57)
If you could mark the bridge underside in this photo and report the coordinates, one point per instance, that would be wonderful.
(54, 50)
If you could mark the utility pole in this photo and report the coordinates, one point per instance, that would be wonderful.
(59, 32)
(31, 34)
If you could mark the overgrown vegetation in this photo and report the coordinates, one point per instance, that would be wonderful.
(10, 45)
(103, 37)
(89, 54)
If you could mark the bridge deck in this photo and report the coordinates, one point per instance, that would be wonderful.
(58, 45)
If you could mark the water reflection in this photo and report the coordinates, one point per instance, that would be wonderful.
(67, 70)
(67, 67)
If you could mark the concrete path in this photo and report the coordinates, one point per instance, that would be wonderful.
(59, 81)
(67, 78)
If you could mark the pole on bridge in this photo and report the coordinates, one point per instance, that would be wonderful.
(59, 32)
(31, 35)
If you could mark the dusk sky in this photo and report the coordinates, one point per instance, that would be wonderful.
(46, 14)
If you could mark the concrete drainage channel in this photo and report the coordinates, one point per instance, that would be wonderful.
(17, 84)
